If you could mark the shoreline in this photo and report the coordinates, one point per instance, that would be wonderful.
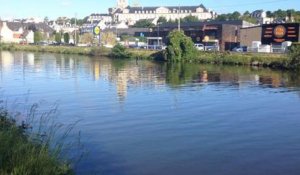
(278, 61)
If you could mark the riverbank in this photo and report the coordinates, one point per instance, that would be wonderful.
(246, 59)
(90, 51)
(23, 152)
(282, 61)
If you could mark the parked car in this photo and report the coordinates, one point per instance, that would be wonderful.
(240, 49)
(199, 46)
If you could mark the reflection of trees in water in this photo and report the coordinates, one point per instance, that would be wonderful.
(179, 73)
(126, 73)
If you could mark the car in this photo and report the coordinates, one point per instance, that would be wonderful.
(240, 49)
(199, 46)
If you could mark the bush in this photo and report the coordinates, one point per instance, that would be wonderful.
(120, 51)
(180, 47)
(38, 37)
(27, 150)
(295, 55)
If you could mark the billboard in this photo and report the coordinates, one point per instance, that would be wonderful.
(279, 33)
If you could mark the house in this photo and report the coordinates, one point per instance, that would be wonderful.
(18, 32)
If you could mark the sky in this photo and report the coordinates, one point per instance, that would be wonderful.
(56, 8)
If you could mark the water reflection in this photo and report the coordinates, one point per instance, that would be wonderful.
(125, 74)
(147, 117)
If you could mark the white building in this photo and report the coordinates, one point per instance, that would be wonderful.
(18, 32)
(96, 18)
(124, 13)
(261, 17)
(11, 33)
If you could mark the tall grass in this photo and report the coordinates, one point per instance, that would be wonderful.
(37, 145)
(93, 51)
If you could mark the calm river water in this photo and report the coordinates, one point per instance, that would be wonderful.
(146, 118)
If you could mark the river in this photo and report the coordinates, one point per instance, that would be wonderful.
(144, 118)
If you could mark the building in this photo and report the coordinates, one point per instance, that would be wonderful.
(270, 34)
(18, 32)
(225, 33)
(96, 18)
(125, 13)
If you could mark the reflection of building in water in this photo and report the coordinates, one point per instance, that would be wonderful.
(7, 60)
(204, 77)
(96, 72)
(244, 80)
(122, 78)
(30, 59)
(273, 80)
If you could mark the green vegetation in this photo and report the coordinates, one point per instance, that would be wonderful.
(295, 55)
(236, 16)
(180, 47)
(58, 37)
(279, 14)
(24, 152)
(285, 13)
(38, 37)
(87, 38)
(143, 23)
(93, 51)
(120, 51)
(254, 59)
(66, 38)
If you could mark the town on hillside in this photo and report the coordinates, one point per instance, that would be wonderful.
(148, 27)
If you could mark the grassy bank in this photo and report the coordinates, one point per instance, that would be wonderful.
(23, 152)
(254, 59)
(248, 59)
(92, 51)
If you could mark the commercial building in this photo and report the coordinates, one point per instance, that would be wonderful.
(225, 33)
(270, 34)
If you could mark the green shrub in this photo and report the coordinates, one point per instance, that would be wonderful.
(180, 47)
(295, 55)
(120, 51)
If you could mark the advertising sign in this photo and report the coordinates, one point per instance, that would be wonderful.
(279, 33)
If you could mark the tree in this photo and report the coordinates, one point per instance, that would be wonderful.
(162, 20)
(180, 47)
(46, 20)
(235, 16)
(58, 38)
(87, 38)
(77, 37)
(190, 18)
(143, 23)
(120, 51)
(109, 38)
(222, 17)
(66, 38)
(280, 14)
(37, 37)
(247, 13)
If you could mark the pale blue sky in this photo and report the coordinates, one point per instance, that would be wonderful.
(55, 8)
